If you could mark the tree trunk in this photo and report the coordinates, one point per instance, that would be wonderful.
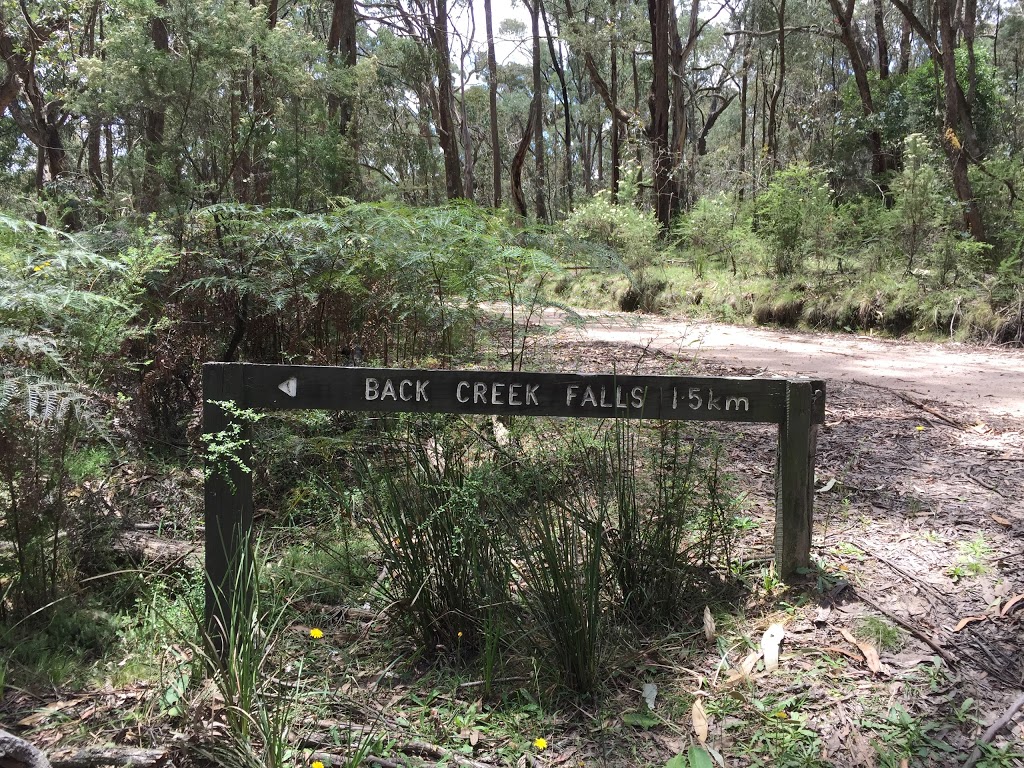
(492, 96)
(155, 121)
(540, 173)
(849, 37)
(959, 146)
(772, 140)
(518, 160)
(954, 119)
(657, 130)
(556, 62)
(905, 31)
(883, 41)
(744, 77)
(341, 46)
(263, 113)
(609, 95)
(614, 74)
(446, 133)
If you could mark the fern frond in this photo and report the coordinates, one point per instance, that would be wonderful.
(46, 402)
(32, 345)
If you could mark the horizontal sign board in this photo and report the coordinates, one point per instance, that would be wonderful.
(796, 405)
(689, 398)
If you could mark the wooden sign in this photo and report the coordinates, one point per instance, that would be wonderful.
(796, 405)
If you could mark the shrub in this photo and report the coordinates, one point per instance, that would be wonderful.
(57, 326)
(792, 214)
(622, 237)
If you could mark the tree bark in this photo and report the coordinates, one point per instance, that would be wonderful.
(540, 170)
(263, 113)
(744, 78)
(156, 118)
(518, 160)
(556, 63)
(905, 33)
(848, 35)
(955, 118)
(446, 133)
(959, 138)
(341, 47)
(658, 101)
(492, 97)
(616, 137)
(772, 140)
(882, 40)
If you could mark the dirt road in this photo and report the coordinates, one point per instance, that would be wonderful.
(989, 380)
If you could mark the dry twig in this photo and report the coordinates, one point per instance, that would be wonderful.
(995, 728)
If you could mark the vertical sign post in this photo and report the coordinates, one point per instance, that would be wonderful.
(227, 496)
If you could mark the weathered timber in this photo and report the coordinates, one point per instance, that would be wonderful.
(796, 405)
(277, 387)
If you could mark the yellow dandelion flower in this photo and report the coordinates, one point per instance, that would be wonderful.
(540, 743)
(920, 428)
(316, 764)
(317, 634)
(460, 633)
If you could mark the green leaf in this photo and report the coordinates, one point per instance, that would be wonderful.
(698, 757)
(640, 720)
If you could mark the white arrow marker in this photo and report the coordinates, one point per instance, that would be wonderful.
(288, 387)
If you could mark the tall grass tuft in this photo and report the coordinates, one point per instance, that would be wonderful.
(435, 516)
(673, 517)
(258, 682)
(562, 567)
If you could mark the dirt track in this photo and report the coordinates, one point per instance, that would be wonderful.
(987, 379)
(920, 459)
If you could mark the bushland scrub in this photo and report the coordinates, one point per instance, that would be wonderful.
(455, 589)
(799, 254)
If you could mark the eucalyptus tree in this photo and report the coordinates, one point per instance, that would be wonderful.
(37, 44)
(960, 136)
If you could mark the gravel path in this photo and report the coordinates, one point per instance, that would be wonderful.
(987, 379)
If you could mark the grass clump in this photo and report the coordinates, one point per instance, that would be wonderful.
(881, 633)
(435, 516)
(556, 536)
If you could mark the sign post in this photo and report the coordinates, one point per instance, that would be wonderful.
(796, 405)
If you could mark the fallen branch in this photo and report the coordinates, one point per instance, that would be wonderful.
(412, 749)
(995, 728)
(903, 573)
(123, 757)
(912, 629)
(419, 749)
(911, 401)
(330, 758)
(984, 484)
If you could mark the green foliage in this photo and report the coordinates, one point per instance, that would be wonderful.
(918, 213)
(400, 283)
(57, 326)
(225, 449)
(673, 518)
(435, 518)
(623, 238)
(793, 216)
(259, 681)
(927, 223)
(560, 546)
(924, 94)
(631, 232)
(880, 633)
